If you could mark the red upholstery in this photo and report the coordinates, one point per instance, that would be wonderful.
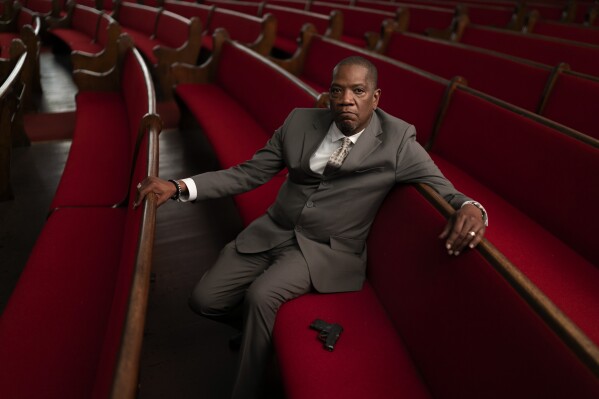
(172, 30)
(509, 79)
(151, 27)
(581, 57)
(574, 32)
(39, 6)
(573, 102)
(421, 17)
(5, 40)
(424, 322)
(190, 10)
(97, 169)
(241, 93)
(139, 18)
(268, 107)
(66, 291)
(516, 181)
(241, 27)
(290, 20)
(491, 15)
(538, 156)
(469, 333)
(143, 43)
(62, 327)
(207, 104)
(84, 30)
(538, 253)
(356, 20)
(369, 360)
(85, 20)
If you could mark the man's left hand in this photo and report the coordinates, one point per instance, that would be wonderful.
(464, 228)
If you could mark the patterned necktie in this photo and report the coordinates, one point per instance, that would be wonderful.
(338, 156)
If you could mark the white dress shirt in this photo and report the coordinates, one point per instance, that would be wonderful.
(332, 140)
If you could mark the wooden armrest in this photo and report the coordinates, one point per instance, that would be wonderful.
(102, 61)
(295, 64)
(187, 73)
(263, 45)
(188, 52)
(97, 81)
(335, 28)
(55, 22)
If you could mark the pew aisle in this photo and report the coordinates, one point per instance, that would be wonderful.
(184, 356)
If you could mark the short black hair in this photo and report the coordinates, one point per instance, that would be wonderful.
(372, 75)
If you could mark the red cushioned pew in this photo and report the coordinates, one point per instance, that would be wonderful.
(109, 109)
(572, 101)
(362, 27)
(581, 57)
(90, 35)
(290, 22)
(257, 33)
(515, 80)
(569, 31)
(162, 37)
(535, 176)
(73, 325)
(218, 89)
(426, 324)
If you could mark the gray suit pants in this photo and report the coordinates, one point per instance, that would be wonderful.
(262, 282)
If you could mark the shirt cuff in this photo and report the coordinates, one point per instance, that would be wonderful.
(192, 191)
(482, 209)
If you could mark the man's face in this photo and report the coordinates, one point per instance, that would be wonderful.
(353, 100)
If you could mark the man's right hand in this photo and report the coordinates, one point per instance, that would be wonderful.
(163, 189)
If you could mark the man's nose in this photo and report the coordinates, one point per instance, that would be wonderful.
(347, 97)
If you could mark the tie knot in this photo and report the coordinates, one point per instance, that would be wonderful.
(346, 142)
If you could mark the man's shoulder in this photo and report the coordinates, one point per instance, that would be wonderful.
(390, 120)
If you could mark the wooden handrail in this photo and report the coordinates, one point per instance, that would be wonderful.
(572, 336)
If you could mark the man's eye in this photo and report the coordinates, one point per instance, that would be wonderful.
(359, 90)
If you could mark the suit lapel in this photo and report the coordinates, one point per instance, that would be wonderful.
(368, 142)
(313, 138)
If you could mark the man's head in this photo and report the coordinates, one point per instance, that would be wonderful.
(354, 94)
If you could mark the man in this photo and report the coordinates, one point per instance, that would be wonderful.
(342, 162)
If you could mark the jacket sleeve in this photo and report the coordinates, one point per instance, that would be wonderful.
(263, 166)
(414, 165)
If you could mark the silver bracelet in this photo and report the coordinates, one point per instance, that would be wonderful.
(481, 208)
(177, 195)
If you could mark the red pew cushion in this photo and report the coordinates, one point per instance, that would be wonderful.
(101, 152)
(71, 271)
(369, 360)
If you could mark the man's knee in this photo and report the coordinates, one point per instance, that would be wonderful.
(261, 296)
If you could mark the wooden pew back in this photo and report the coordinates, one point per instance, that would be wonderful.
(581, 57)
(520, 82)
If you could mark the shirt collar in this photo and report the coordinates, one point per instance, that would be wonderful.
(335, 134)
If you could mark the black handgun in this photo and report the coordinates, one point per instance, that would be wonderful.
(328, 332)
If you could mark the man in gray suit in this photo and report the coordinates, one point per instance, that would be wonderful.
(342, 163)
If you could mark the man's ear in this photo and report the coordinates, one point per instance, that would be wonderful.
(376, 96)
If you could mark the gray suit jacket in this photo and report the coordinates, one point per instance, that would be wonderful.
(330, 216)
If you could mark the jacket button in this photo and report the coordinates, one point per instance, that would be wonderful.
(309, 204)
(298, 228)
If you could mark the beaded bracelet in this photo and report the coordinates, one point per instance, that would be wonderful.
(177, 194)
